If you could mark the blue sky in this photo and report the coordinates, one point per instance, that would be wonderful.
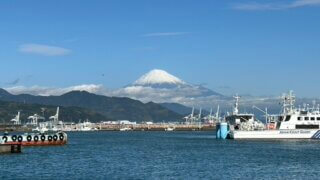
(250, 47)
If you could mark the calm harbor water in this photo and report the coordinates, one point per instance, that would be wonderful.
(164, 155)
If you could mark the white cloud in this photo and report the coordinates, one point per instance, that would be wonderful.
(47, 91)
(44, 50)
(299, 3)
(187, 97)
(254, 6)
(257, 6)
(165, 34)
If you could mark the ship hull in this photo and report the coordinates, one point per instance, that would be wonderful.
(276, 134)
(32, 143)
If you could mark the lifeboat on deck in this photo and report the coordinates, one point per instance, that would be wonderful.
(271, 126)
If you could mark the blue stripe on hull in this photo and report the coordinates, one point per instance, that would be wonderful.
(316, 135)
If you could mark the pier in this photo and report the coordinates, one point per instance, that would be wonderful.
(10, 148)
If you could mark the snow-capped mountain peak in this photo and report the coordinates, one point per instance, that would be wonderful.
(158, 76)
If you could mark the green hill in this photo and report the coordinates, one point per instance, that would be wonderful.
(111, 107)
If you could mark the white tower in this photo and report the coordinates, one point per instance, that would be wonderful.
(55, 118)
(16, 120)
(217, 113)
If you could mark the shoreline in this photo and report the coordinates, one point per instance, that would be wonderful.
(118, 127)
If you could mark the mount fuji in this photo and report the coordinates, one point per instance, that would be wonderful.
(160, 86)
(159, 79)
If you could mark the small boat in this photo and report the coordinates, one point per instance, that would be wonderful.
(85, 126)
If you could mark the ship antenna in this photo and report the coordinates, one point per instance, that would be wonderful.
(192, 113)
(291, 101)
(18, 118)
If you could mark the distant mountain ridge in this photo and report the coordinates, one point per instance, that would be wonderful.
(4, 93)
(117, 108)
(156, 85)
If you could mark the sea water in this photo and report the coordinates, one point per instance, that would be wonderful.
(164, 155)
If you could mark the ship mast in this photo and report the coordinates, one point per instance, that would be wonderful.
(288, 102)
(236, 105)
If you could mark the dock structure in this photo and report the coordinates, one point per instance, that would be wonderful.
(157, 127)
(117, 127)
(12, 127)
(10, 148)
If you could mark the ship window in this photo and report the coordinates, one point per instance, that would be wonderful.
(304, 112)
(306, 126)
(299, 118)
(318, 118)
(288, 118)
(306, 118)
(313, 118)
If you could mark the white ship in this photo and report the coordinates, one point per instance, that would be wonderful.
(125, 129)
(85, 126)
(170, 129)
(291, 123)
